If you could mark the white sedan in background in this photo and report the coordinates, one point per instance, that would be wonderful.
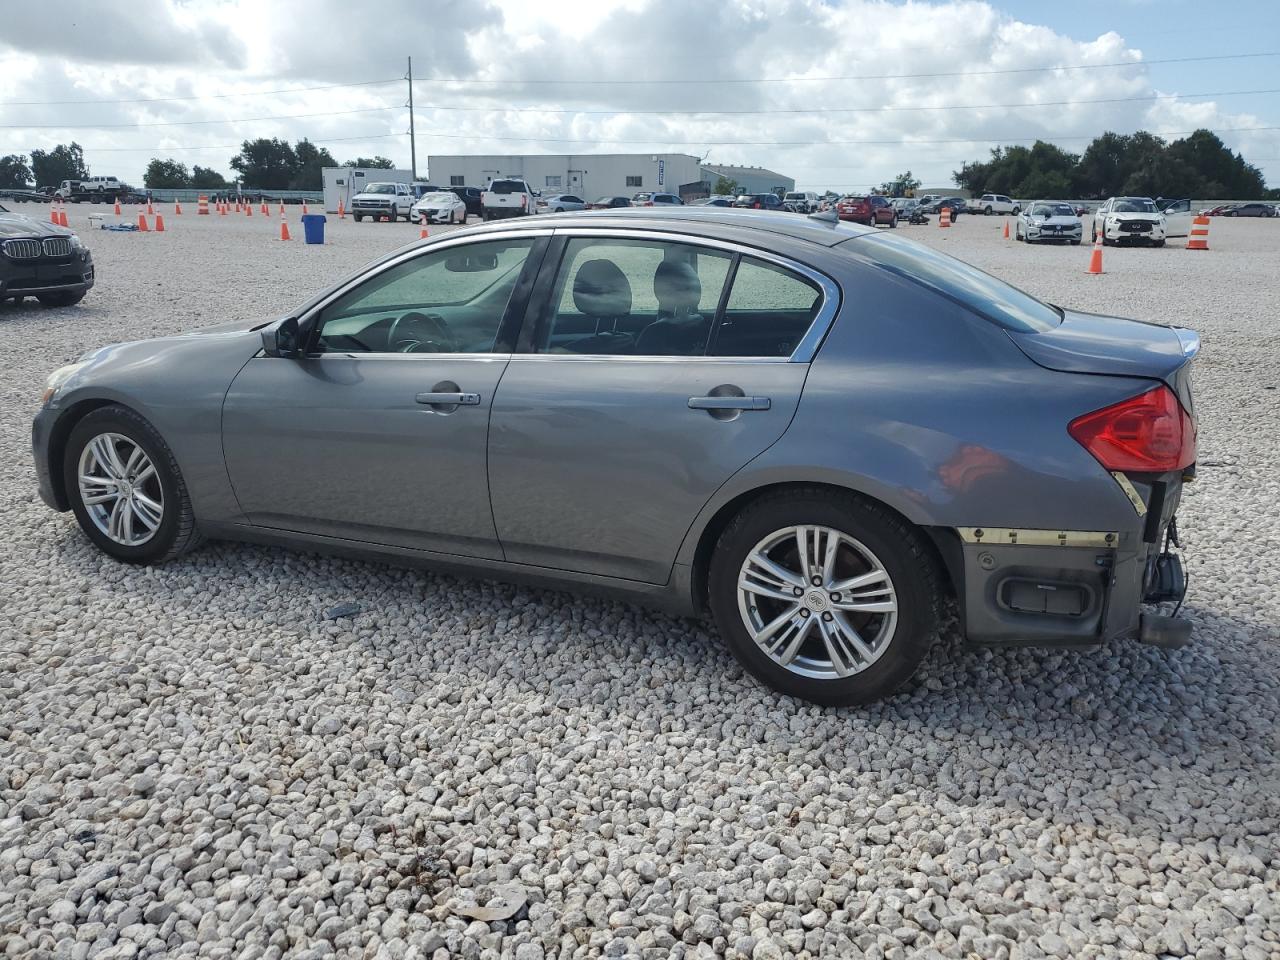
(1048, 220)
(559, 203)
(441, 207)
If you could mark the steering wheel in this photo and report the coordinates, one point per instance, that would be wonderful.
(421, 333)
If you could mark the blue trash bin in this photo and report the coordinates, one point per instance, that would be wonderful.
(313, 227)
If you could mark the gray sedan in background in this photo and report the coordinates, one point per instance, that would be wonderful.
(816, 431)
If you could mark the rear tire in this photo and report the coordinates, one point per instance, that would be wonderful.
(124, 431)
(838, 656)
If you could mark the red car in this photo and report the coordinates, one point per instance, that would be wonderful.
(871, 211)
(1220, 210)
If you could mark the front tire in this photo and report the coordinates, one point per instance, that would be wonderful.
(824, 596)
(125, 488)
(62, 298)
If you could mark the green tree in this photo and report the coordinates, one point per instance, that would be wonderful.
(370, 163)
(265, 164)
(726, 186)
(206, 178)
(310, 161)
(63, 162)
(14, 171)
(166, 175)
(903, 185)
(1219, 171)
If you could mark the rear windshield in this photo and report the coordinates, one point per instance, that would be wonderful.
(969, 286)
(507, 186)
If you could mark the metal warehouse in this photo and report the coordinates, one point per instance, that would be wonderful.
(604, 174)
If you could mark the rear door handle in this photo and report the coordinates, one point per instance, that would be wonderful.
(461, 399)
(728, 403)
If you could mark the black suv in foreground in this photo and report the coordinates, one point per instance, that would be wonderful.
(40, 260)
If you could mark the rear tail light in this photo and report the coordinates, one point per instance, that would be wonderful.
(1149, 433)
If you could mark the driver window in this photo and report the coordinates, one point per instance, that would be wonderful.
(450, 300)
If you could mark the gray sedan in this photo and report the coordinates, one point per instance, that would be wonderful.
(1048, 220)
(815, 431)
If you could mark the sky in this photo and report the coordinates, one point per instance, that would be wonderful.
(841, 95)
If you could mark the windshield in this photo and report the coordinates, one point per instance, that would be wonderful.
(380, 188)
(1133, 205)
(1053, 210)
(955, 279)
(440, 197)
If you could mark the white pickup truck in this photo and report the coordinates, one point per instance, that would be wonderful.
(991, 203)
(378, 200)
(507, 197)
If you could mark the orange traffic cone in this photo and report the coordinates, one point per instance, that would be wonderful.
(177, 209)
(53, 216)
(282, 208)
(1006, 229)
(142, 223)
(248, 209)
(117, 208)
(159, 223)
(1198, 239)
(422, 234)
(264, 211)
(238, 210)
(304, 208)
(222, 209)
(1095, 261)
(342, 213)
(151, 212)
(284, 229)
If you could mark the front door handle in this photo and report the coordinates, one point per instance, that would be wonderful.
(458, 399)
(729, 403)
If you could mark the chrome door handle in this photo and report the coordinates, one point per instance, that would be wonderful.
(461, 399)
(728, 403)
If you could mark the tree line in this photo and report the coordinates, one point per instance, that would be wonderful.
(1140, 164)
(263, 164)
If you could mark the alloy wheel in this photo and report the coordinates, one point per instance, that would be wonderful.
(120, 489)
(817, 602)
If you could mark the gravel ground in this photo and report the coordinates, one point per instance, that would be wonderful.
(193, 761)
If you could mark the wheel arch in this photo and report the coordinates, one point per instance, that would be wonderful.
(942, 543)
(61, 433)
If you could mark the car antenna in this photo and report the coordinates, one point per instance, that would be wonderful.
(828, 215)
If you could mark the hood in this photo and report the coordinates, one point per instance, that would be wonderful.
(1134, 216)
(1061, 220)
(375, 196)
(16, 225)
(1092, 343)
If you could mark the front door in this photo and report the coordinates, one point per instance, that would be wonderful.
(378, 434)
(657, 369)
(1177, 218)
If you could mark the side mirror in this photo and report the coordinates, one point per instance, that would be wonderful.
(282, 339)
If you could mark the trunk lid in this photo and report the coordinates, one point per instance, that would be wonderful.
(1110, 346)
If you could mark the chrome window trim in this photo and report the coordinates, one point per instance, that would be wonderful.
(805, 350)
(410, 254)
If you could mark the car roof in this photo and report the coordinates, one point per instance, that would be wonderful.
(824, 232)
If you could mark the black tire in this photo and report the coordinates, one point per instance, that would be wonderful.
(177, 532)
(893, 224)
(900, 549)
(358, 217)
(1157, 243)
(61, 298)
(987, 211)
(1016, 210)
(1075, 243)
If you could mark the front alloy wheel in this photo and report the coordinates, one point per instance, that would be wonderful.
(824, 596)
(120, 490)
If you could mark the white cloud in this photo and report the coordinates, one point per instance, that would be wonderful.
(170, 48)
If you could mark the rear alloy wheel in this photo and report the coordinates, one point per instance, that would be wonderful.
(824, 596)
(125, 488)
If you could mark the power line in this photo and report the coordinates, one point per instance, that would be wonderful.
(867, 76)
(186, 123)
(233, 146)
(208, 96)
(801, 110)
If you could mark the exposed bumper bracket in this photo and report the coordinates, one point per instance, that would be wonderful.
(1167, 632)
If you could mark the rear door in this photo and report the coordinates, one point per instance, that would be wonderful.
(651, 370)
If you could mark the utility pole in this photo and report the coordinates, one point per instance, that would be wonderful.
(413, 142)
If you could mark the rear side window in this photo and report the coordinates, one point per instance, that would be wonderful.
(980, 292)
(769, 310)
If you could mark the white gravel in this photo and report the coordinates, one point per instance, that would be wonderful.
(194, 762)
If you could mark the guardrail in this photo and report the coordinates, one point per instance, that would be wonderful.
(191, 196)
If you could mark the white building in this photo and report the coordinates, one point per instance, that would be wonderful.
(594, 175)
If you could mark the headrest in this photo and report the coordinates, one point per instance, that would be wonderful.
(677, 287)
(601, 289)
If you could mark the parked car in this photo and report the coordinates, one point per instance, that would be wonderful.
(720, 200)
(990, 203)
(760, 201)
(469, 196)
(1048, 220)
(1252, 210)
(38, 259)
(903, 207)
(609, 203)
(19, 195)
(1177, 217)
(957, 205)
(1129, 220)
(90, 189)
(656, 200)
(872, 210)
(384, 200)
(508, 197)
(559, 203)
(828, 500)
(804, 201)
(443, 206)
(1219, 211)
